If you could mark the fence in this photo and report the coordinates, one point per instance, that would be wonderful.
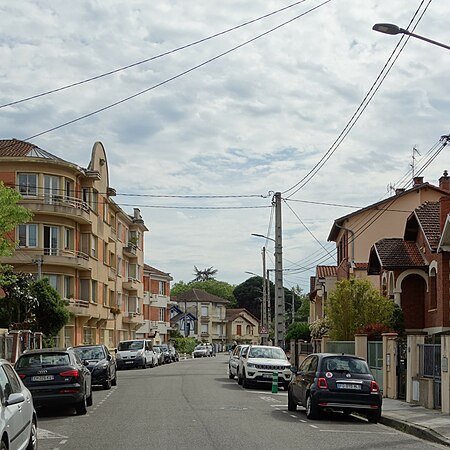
(347, 347)
(430, 367)
(375, 360)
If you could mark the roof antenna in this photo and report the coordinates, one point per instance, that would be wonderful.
(413, 158)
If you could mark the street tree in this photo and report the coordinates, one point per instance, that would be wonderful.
(11, 215)
(355, 303)
(298, 330)
(249, 295)
(205, 274)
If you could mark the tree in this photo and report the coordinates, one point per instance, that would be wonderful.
(298, 330)
(249, 295)
(205, 274)
(221, 289)
(354, 304)
(29, 304)
(11, 215)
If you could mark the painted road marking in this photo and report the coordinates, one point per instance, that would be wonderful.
(45, 434)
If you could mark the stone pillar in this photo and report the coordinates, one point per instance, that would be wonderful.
(38, 338)
(361, 345)
(390, 365)
(412, 363)
(445, 376)
(323, 344)
(15, 345)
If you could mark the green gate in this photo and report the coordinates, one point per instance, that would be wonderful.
(375, 360)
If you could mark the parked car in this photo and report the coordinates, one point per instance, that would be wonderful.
(18, 421)
(100, 362)
(135, 353)
(326, 381)
(56, 377)
(165, 353)
(233, 361)
(159, 355)
(173, 353)
(200, 351)
(212, 349)
(259, 362)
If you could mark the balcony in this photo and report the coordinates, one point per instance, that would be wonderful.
(112, 274)
(130, 250)
(132, 318)
(204, 318)
(131, 284)
(62, 206)
(79, 308)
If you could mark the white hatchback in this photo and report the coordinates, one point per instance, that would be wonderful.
(18, 422)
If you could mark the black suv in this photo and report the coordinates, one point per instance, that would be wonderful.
(56, 376)
(335, 382)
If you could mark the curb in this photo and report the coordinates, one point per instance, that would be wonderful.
(415, 430)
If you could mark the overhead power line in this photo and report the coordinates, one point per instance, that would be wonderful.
(152, 58)
(185, 72)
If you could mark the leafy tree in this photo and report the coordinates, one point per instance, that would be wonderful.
(11, 215)
(221, 289)
(249, 295)
(184, 344)
(319, 328)
(356, 303)
(298, 330)
(205, 274)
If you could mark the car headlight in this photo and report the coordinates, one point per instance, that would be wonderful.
(103, 366)
(251, 365)
(118, 356)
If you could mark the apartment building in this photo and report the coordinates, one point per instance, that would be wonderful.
(91, 250)
(156, 305)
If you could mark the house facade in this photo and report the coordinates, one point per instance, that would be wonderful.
(320, 286)
(205, 312)
(242, 326)
(156, 306)
(90, 249)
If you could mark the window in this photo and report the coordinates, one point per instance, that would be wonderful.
(162, 313)
(51, 240)
(68, 239)
(53, 280)
(119, 299)
(52, 191)
(105, 294)
(204, 328)
(205, 311)
(27, 235)
(68, 287)
(134, 271)
(85, 196)
(27, 184)
(105, 210)
(94, 291)
(68, 188)
(87, 335)
(112, 298)
(119, 230)
(84, 290)
(105, 252)
(12, 377)
(239, 330)
(94, 246)
(162, 288)
(94, 205)
(119, 266)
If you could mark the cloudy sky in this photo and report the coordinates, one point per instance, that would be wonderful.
(219, 126)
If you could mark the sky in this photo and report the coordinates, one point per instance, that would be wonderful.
(201, 134)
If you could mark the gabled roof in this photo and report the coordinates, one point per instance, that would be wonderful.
(335, 229)
(426, 218)
(444, 243)
(154, 271)
(394, 253)
(198, 295)
(179, 316)
(14, 148)
(233, 313)
(326, 271)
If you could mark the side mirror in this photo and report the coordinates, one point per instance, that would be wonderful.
(85, 362)
(294, 370)
(109, 357)
(15, 398)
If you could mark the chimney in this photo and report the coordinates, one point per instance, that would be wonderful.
(399, 191)
(417, 181)
(445, 210)
(444, 182)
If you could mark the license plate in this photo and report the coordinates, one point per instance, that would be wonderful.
(42, 378)
(128, 362)
(267, 375)
(356, 387)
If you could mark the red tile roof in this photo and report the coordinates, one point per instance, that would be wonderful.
(326, 271)
(232, 313)
(428, 216)
(14, 148)
(398, 253)
(156, 271)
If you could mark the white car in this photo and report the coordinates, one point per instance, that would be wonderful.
(18, 422)
(260, 362)
(201, 351)
(233, 362)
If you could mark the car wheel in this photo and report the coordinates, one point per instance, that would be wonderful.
(374, 417)
(80, 407)
(32, 443)
(292, 405)
(239, 378)
(114, 380)
(107, 383)
(311, 408)
(245, 383)
(230, 375)
(90, 399)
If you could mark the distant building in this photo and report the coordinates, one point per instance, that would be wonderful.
(242, 326)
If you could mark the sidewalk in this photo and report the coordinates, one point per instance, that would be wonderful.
(428, 424)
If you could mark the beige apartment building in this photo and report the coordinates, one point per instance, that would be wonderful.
(91, 250)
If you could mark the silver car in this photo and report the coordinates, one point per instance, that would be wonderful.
(18, 422)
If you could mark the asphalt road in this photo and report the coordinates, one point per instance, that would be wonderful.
(194, 405)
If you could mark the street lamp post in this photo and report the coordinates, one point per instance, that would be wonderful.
(390, 28)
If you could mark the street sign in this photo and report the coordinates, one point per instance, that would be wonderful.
(263, 332)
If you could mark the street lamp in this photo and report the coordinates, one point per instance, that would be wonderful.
(390, 28)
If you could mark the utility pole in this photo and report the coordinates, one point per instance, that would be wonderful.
(269, 307)
(39, 260)
(280, 324)
(264, 299)
(293, 305)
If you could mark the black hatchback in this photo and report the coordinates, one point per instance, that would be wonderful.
(335, 382)
(56, 377)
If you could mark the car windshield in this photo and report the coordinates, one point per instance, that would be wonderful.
(266, 352)
(202, 347)
(131, 345)
(345, 364)
(90, 352)
(42, 360)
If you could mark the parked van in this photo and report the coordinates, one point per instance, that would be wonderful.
(135, 353)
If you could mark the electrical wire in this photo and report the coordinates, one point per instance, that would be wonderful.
(179, 75)
(183, 47)
(361, 108)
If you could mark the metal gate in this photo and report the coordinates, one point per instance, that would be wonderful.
(402, 352)
(430, 367)
(375, 360)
